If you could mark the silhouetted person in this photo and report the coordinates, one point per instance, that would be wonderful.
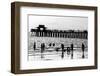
(57, 49)
(42, 49)
(83, 47)
(44, 46)
(71, 51)
(53, 44)
(34, 46)
(50, 45)
(68, 50)
(62, 47)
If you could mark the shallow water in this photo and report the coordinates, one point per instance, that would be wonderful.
(50, 53)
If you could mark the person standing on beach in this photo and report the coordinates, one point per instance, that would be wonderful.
(83, 47)
(42, 49)
(62, 47)
(34, 46)
(71, 51)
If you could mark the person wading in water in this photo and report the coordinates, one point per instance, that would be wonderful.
(83, 47)
(62, 47)
(71, 51)
(42, 49)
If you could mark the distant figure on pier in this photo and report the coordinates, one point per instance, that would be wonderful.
(34, 46)
(71, 51)
(62, 47)
(83, 47)
(42, 49)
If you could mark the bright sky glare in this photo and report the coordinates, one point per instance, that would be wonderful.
(58, 22)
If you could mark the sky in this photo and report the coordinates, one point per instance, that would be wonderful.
(58, 22)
